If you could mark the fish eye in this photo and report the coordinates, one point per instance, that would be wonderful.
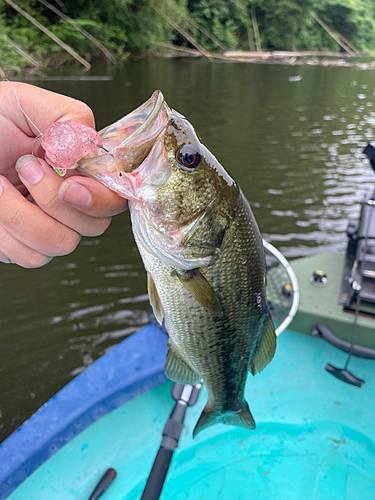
(188, 157)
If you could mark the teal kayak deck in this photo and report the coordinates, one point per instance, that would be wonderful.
(320, 304)
(315, 439)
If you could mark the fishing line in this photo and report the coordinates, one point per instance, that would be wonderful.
(22, 110)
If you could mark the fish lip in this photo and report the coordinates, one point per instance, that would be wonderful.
(158, 99)
(126, 145)
(123, 152)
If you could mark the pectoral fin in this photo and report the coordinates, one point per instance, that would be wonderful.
(178, 370)
(201, 290)
(154, 299)
(266, 350)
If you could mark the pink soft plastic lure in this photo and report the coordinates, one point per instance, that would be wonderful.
(65, 143)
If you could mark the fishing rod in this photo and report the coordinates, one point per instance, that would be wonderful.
(184, 395)
(343, 373)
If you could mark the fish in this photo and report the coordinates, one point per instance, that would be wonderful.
(202, 250)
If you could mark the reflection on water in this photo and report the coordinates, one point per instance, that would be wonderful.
(293, 146)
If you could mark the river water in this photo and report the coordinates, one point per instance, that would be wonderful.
(293, 146)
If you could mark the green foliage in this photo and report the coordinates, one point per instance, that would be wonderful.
(354, 19)
(136, 26)
(278, 27)
(285, 24)
(140, 25)
(225, 20)
(9, 58)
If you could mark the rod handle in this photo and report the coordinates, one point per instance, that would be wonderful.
(103, 484)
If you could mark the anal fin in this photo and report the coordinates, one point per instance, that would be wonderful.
(178, 370)
(154, 299)
(266, 350)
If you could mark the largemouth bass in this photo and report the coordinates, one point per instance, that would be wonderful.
(202, 250)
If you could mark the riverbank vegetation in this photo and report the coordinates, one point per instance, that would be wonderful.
(146, 27)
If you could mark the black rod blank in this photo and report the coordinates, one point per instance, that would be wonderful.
(184, 396)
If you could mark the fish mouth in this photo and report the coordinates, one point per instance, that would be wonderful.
(127, 142)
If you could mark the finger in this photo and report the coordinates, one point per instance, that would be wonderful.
(4, 259)
(43, 184)
(42, 106)
(102, 201)
(28, 224)
(13, 251)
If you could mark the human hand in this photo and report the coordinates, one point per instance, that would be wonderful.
(31, 233)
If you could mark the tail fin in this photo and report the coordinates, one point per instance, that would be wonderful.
(209, 416)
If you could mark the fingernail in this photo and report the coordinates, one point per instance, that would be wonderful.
(1, 187)
(29, 169)
(75, 193)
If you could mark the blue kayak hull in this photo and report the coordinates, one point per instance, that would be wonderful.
(131, 368)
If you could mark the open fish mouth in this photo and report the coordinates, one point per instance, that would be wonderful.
(137, 126)
(127, 142)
